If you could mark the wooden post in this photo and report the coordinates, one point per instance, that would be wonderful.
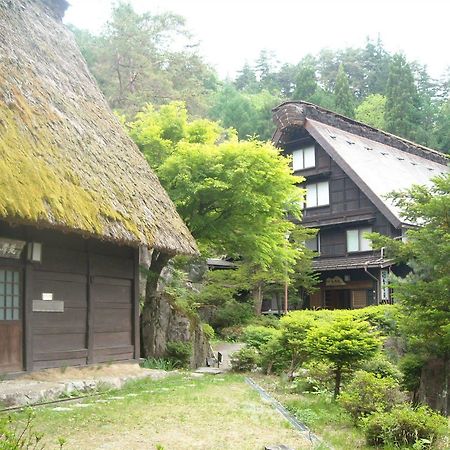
(90, 309)
(27, 318)
(136, 308)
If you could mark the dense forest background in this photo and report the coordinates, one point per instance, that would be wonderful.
(143, 58)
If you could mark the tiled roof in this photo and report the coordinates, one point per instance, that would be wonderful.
(350, 262)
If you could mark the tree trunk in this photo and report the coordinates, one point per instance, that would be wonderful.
(337, 385)
(158, 262)
(445, 387)
(257, 298)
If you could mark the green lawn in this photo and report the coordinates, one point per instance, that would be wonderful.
(324, 416)
(179, 412)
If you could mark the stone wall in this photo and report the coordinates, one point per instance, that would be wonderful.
(168, 323)
(435, 385)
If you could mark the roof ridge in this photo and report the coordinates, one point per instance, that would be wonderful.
(283, 117)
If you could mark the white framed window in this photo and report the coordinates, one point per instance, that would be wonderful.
(313, 243)
(304, 158)
(317, 194)
(356, 242)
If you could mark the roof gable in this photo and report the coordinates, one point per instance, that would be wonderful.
(377, 167)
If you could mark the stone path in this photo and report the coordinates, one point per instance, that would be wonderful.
(227, 349)
(26, 391)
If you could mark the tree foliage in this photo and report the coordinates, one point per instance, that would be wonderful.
(233, 195)
(135, 61)
(344, 103)
(371, 111)
(424, 292)
(401, 110)
(343, 342)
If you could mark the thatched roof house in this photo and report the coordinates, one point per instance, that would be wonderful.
(66, 161)
(77, 200)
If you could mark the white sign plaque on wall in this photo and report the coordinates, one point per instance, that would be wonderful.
(384, 285)
(11, 248)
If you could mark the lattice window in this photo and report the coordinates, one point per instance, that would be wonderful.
(9, 295)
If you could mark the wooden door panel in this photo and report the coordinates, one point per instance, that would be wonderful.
(10, 347)
(10, 321)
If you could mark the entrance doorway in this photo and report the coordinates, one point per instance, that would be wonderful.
(10, 320)
(337, 299)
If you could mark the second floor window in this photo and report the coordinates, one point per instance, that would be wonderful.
(356, 242)
(304, 158)
(317, 194)
(313, 243)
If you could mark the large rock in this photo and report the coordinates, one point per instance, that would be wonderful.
(167, 322)
(435, 385)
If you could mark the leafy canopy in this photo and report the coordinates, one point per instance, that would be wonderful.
(424, 292)
(233, 195)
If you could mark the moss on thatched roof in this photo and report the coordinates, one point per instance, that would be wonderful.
(65, 161)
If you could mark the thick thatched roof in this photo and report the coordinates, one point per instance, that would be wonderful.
(65, 160)
(378, 162)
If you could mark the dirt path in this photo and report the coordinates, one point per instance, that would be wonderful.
(227, 349)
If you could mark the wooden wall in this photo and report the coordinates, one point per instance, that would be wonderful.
(98, 284)
(348, 208)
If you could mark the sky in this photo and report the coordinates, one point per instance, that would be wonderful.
(231, 32)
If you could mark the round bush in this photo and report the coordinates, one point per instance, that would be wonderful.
(244, 360)
(367, 393)
(404, 426)
(256, 336)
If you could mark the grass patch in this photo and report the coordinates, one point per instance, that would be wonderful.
(319, 412)
(178, 412)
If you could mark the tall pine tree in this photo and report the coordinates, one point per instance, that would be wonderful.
(306, 83)
(344, 101)
(401, 112)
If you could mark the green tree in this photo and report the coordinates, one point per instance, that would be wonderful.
(306, 83)
(135, 61)
(246, 79)
(233, 195)
(344, 100)
(249, 114)
(376, 61)
(401, 112)
(442, 131)
(424, 293)
(371, 111)
(344, 342)
(293, 332)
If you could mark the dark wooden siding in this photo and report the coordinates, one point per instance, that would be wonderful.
(348, 208)
(97, 282)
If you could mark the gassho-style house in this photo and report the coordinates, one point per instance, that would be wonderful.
(349, 168)
(77, 200)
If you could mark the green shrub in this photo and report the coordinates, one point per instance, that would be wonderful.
(367, 393)
(179, 352)
(159, 364)
(265, 321)
(257, 336)
(231, 313)
(208, 331)
(411, 368)
(382, 367)
(404, 426)
(318, 377)
(244, 360)
(23, 437)
(232, 334)
(274, 357)
(384, 318)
